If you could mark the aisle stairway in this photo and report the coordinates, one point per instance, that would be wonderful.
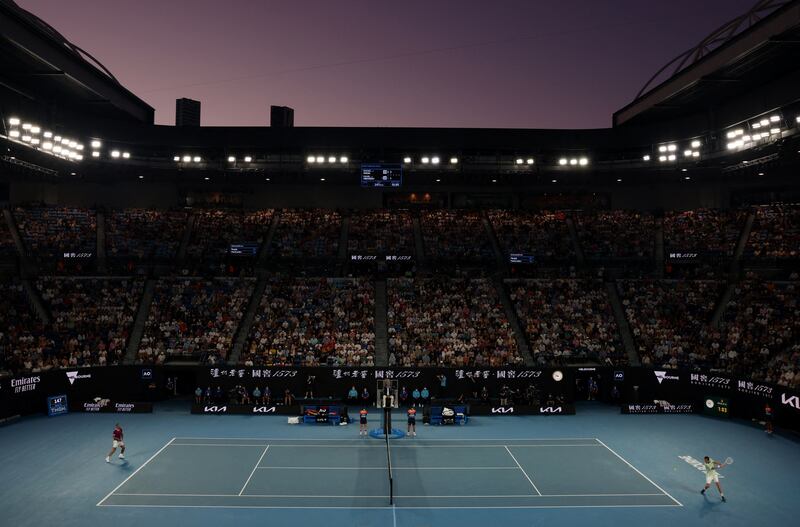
(381, 325)
(142, 313)
(622, 324)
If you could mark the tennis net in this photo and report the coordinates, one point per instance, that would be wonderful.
(389, 466)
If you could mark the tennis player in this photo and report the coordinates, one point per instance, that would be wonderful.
(412, 422)
(362, 415)
(116, 441)
(712, 475)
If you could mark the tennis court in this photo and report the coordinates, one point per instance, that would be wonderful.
(360, 473)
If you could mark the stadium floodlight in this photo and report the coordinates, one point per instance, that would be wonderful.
(126, 155)
(35, 141)
(48, 135)
(320, 159)
(519, 161)
(646, 157)
(141, 177)
(35, 130)
(115, 154)
(746, 138)
(453, 160)
(764, 122)
(671, 157)
(684, 170)
(95, 153)
(13, 133)
(760, 173)
(268, 179)
(80, 146)
(231, 159)
(406, 160)
(619, 180)
(583, 161)
(435, 160)
(797, 118)
(695, 154)
(438, 180)
(73, 144)
(687, 153)
(57, 139)
(65, 141)
(696, 143)
(671, 148)
(756, 126)
(529, 161)
(248, 159)
(774, 130)
(662, 148)
(343, 160)
(494, 181)
(756, 137)
(47, 145)
(96, 144)
(731, 134)
(731, 145)
(322, 179)
(26, 126)
(426, 160)
(573, 161)
(197, 159)
(26, 138)
(311, 159)
(57, 148)
(555, 181)
(774, 118)
(176, 158)
(13, 121)
(206, 178)
(331, 159)
(79, 157)
(563, 161)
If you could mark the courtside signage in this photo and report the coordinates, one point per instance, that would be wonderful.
(662, 376)
(73, 376)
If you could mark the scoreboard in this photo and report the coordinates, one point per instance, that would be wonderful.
(379, 175)
(718, 406)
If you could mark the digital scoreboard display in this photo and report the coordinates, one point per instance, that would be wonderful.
(521, 258)
(57, 405)
(379, 175)
(244, 249)
(716, 406)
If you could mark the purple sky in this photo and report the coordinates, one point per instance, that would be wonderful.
(459, 63)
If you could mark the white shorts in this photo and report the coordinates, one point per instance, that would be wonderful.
(712, 478)
(116, 444)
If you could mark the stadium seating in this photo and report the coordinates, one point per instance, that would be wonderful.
(312, 233)
(708, 232)
(567, 321)
(215, 230)
(457, 236)
(448, 322)
(20, 349)
(312, 322)
(670, 320)
(144, 235)
(381, 232)
(57, 233)
(776, 233)
(545, 235)
(194, 318)
(616, 235)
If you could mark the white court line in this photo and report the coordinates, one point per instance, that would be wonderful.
(640, 473)
(523, 471)
(264, 453)
(386, 508)
(393, 468)
(452, 440)
(453, 496)
(381, 447)
(135, 471)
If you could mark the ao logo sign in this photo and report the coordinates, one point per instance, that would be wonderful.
(661, 376)
(791, 400)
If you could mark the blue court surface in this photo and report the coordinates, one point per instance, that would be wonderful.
(597, 467)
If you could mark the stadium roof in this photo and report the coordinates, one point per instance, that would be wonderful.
(42, 66)
(736, 58)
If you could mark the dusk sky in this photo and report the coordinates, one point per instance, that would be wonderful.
(455, 63)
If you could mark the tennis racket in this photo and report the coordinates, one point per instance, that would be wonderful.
(729, 461)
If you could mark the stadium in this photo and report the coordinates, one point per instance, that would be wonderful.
(527, 326)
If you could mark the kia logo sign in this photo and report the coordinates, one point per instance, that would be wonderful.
(550, 410)
(264, 410)
(502, 409)
(215, 409)
(791, 400)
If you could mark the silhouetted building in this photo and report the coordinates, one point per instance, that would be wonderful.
(281, 117)
(187, 112)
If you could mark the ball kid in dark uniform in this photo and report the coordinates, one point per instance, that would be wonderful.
(412, 422)
(362, 416)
